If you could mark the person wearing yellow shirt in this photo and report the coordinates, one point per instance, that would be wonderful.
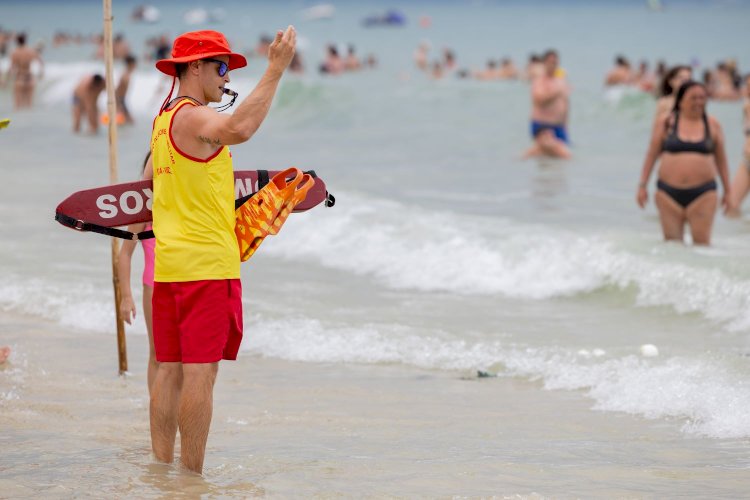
(197, 306)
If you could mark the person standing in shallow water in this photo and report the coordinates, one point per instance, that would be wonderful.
(741, 181)
(549, 110)
(20, 68)
(690, 145)
(197, 303)
(85, 97)
(127, 307)
(121, 91)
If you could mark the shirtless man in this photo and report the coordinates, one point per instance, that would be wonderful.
(549, 97)
(724, 88)
(351, 62)
(122, 89)
(490, 72)
(508, 70)
(20, 68)
(85, 96)
(620, 74)
(333, 65)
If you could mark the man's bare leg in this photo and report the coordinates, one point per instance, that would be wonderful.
(77, 115)
(165, 400)
(196, 408)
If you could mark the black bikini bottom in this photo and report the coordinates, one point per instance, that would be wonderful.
(686, 196)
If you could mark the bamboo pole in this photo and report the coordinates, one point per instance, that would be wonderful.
(122, 352)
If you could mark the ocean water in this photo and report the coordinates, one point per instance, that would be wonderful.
(445, 251)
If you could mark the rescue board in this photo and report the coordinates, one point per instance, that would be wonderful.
(130, 203)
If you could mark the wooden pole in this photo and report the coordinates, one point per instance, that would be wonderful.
(122, 352)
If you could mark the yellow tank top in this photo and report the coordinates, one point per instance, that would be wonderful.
(193, 210)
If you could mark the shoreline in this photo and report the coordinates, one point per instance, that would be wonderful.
(285, 429)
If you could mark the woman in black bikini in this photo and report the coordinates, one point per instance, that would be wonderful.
(690, 145)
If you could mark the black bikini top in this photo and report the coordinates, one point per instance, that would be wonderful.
(673, 144)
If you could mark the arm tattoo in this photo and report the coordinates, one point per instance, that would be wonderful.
(213, 142)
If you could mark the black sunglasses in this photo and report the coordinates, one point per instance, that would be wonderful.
(223, 67)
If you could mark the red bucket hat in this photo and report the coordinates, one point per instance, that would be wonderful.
(196, 45)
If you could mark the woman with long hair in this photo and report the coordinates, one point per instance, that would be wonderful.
(690, 146)
(672, 80)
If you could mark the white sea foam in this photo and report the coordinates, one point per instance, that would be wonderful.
(709, 396)
(443, 252)
(78, 305)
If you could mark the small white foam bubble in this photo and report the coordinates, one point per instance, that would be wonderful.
(649, 351)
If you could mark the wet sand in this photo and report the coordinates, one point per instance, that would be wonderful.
(72, 427)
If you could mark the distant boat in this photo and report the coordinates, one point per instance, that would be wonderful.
(390, 18)
(146, 14)
(321, 11)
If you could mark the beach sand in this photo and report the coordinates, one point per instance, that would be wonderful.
(72, 427)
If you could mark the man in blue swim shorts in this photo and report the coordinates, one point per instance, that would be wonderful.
(549, 109)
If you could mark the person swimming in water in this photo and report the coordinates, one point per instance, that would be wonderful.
(671, 81)
(690, 146)
(620, 74)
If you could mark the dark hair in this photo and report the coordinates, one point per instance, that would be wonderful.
(665, 87)
(97, 80)
(683, 90)
(621, 61)
(550, 52)
(130, 59)
(180, 69)
(21, 39)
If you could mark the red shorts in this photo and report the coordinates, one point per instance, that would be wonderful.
(197, 321)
